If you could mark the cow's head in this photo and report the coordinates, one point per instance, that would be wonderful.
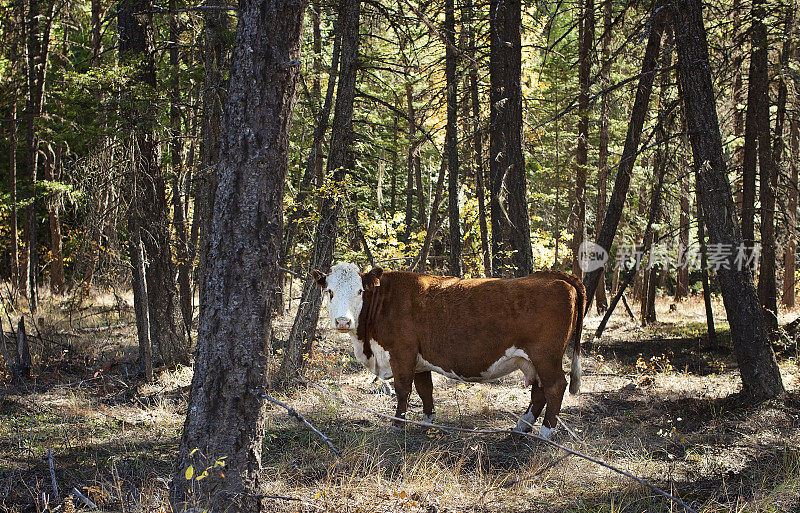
(344, 289)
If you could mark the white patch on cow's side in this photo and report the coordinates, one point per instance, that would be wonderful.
(424, 365)
(514, 359)
(545, 432)
(378, 363)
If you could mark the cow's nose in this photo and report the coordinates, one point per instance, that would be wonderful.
(343, 322)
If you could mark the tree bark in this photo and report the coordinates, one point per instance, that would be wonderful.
(623, 180)
(451, 138)
(340, 159)
(761, 378)
(242, 275)
(507, 160)
(215, 60)
(140, 301)
(585, 45)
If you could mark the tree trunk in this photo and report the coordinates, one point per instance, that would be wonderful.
(52, 172)
(177, 158)
(737, 93)
(767, 288)
(433, 224)
(148, 203)
(235, 327)
(602, 164)
(39, 23)
(507, 160)
(216, 52)
(140, 300)
(682, 273)
(340, 159)
(761, 378)
(757, 101)
(623, 180)
(12, 173)
(701, 236)
(789, 268)
(477, 139)
(585, 46)
(451, 138)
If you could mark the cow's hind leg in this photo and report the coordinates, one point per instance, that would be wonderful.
(554, 385)
(525, 423)
(424, 385)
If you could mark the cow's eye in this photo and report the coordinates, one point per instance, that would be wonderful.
(330, 293)
(360, 291)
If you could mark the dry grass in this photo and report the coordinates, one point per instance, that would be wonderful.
(650, 404)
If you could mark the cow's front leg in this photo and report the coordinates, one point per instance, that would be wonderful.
(403, 370)
(424, 385)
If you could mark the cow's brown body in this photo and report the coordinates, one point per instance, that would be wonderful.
(461, 328)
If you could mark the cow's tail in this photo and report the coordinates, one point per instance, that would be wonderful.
(575, 369)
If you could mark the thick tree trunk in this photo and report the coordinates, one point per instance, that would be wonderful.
(507, 160)
(761, 378)
(451, 138)
(215, 47)
(235, 326)
(148, 201)
(638, 113)
(585, 46)
(737, 94)
(340, 159)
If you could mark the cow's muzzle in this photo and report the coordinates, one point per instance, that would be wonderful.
(343, 323)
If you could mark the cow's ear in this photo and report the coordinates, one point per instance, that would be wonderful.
(372, 278)
(320, 278)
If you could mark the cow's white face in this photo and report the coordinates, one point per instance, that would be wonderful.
(343, 290)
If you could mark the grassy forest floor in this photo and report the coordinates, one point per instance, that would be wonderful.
(651, 403)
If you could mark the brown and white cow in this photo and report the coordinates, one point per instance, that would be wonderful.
(404, 325)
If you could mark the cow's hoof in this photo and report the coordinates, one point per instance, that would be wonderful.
(428, 419)
(397, 427)
(525, 423)
(546, 432)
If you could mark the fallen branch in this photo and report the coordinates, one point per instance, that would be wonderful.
(52, 474)
(454, 429)
(84, 499)
(299, 417)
